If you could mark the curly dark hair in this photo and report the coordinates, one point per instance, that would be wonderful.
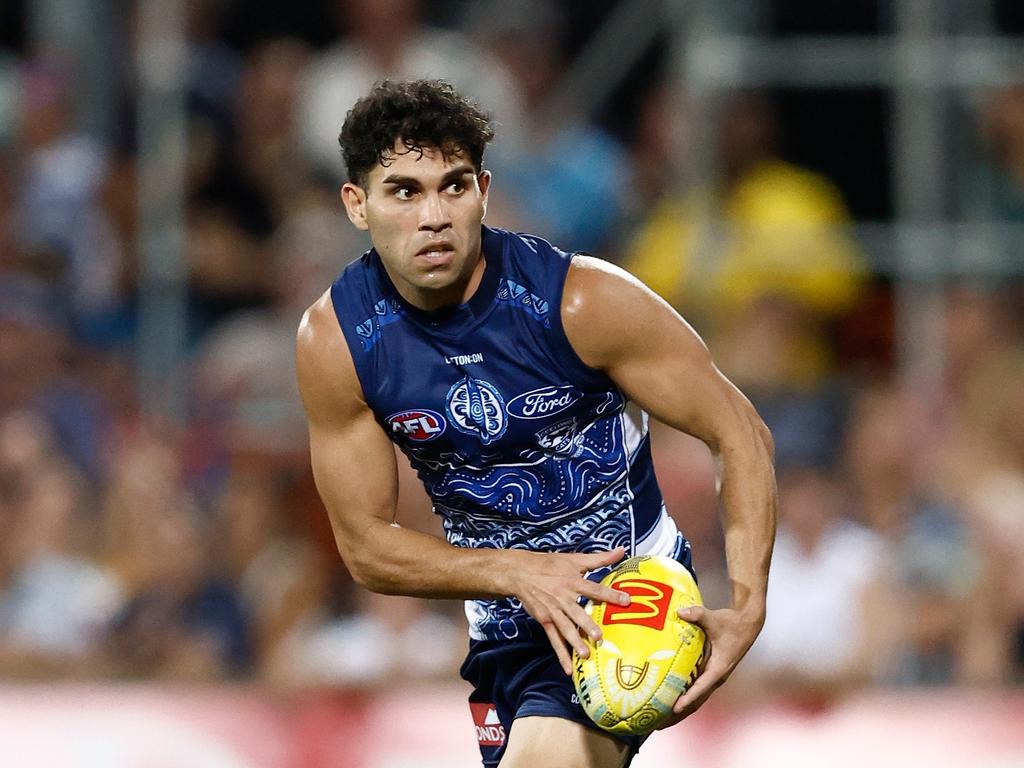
(419, 113)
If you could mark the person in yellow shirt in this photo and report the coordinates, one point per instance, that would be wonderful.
(767, 237)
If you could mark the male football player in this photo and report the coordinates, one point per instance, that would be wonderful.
(517, 378)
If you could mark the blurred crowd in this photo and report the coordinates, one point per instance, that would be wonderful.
(134, 548)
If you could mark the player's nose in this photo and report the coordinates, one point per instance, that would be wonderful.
(434, 213)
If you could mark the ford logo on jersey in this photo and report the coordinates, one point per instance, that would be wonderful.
(420, 425)
(546, 401)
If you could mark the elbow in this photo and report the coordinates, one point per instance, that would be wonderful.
(366, 570)
(369, 577)
(357, 562)
(360, 574)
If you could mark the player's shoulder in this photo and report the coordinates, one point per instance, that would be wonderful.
(322, 358)
(605, 309)
(319, 326)
(593, 284)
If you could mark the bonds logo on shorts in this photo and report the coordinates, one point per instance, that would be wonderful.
(546, 401)
(418, 424)
(489, 730)
(477, 408)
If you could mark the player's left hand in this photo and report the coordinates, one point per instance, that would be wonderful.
(730, 634)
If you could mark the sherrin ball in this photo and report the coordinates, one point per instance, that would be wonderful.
(648, 656)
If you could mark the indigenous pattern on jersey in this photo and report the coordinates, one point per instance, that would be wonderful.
(518, 443)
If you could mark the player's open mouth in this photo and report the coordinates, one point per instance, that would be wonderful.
(441, 253)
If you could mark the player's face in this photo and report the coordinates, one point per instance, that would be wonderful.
(423, 213)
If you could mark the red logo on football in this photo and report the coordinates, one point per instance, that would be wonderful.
(420, 425)
(489, 730)
(649, 606)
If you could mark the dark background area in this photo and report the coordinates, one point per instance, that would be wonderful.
(812, 121)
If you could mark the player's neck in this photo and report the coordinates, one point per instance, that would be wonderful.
(459, 292)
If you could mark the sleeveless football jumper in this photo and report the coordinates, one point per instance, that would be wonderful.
(518, 443)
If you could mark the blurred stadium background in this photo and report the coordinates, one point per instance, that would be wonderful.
(832, 193)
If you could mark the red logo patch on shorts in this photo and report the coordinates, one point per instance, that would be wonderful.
(489, 730)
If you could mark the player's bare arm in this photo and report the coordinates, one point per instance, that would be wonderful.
(618, 325)
(354, 467)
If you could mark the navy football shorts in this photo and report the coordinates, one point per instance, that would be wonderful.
(517, 679)
(520, 678)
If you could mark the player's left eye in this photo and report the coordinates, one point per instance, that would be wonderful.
(456, 187)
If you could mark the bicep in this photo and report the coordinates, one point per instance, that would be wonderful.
(653, 355)
(356, 474)
(671, 375)
(352, 459)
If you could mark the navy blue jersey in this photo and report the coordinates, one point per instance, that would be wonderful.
(518, 443)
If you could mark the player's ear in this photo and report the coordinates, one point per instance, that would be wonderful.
(483, 179)
(353, 197)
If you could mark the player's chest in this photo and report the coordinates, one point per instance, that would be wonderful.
(478, 394)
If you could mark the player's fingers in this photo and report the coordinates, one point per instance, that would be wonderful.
(703, 687)
(583, 620)
(571, 634)
(702, 662)
(603, 594)
(559, 645)
(594, 560)
(695, 614)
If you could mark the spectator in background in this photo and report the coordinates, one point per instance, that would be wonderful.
(41, 369)
(213, 69)
(659, 150)
(246, 396)
(244, 181)
(767, 228)
(941, 574)
(827, 598)
(388, 39)
(180, 618)
(387, 637)
(997, 187)
(61, 225)
(260, 176)
(307, 636)
(281, 578)
(760, 263)
(983, 463)
(58, 600)
(560, 174)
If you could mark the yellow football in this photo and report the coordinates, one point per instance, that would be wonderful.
(648, 655)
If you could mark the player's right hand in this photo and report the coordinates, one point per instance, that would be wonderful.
(549, 586)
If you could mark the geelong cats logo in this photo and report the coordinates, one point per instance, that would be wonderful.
(477, 408)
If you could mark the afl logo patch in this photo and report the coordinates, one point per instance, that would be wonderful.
(419, 424)
(476, 407)
(546, 401)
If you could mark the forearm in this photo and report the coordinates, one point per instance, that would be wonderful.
(398, 561)
(748, 496)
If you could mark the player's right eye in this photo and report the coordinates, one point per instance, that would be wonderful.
(403, 193)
